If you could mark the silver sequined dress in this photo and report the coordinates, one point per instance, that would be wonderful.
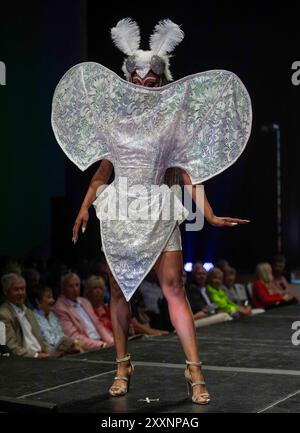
(200, 123)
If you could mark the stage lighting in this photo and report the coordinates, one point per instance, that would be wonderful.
(208, 266)
(188, 266)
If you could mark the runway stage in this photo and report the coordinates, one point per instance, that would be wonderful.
(250, 365)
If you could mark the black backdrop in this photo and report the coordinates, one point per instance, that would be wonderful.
(258, 43)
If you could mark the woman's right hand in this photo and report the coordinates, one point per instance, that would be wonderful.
(81, 220)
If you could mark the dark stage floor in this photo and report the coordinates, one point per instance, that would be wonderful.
(250, 365)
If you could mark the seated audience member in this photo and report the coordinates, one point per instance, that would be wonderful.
(222, 264)
(204, 310)
(197, 294)
(152, 295)
(41, 298)
(238, 292)
(95, 292)
(23, 335)
(280, 282)
(140, 319)
(220, 297)
(4, 350)
(264, 292)
(77, 317)
(9, 266)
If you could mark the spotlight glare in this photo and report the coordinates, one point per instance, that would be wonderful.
(208, 266)
(188, 266)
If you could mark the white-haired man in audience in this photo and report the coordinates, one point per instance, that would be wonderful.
(23, 335)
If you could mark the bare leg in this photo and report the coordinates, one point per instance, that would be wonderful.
(120, 317)
(169, 269)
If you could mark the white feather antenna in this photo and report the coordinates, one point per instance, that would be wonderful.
(165, 37)
(126, 36)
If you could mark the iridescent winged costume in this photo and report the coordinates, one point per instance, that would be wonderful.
(200, 123)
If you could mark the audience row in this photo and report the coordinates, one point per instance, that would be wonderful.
(37, 321)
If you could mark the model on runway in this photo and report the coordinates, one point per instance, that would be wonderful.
(141, 127)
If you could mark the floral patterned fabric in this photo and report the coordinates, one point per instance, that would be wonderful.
(200, 123)
(49, 326)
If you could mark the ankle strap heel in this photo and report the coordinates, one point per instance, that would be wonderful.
(126, 358)
(119, 390)
(196, 364)
(198, 398)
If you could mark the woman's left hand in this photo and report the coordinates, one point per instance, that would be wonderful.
(226, 221)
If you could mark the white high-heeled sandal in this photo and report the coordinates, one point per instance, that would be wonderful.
(118, 390)
(205, 397)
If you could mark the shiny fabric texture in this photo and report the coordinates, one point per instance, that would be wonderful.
(200, 123)
(174, 242)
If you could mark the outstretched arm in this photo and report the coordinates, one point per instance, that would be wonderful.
(208, 212)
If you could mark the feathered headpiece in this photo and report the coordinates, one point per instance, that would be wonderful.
(166, 35)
